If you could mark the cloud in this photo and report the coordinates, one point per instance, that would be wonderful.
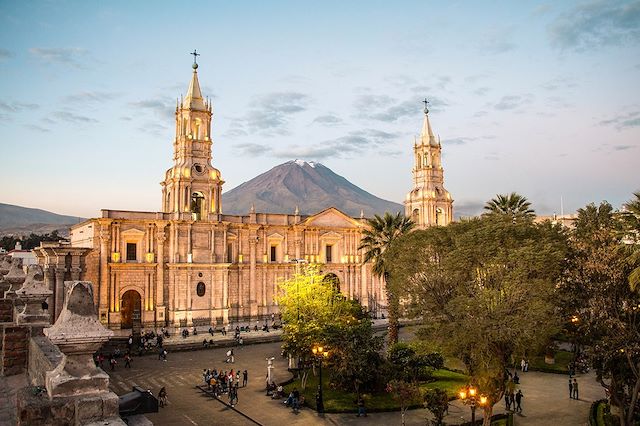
(72, 56)
(5, 54)
(595, 24)
(13, 107)
(342, 147)
(269, 115)
(72, 117)
(387, 109)
(559, 83)
(623, 121)
(161, 106)
(37, 128)
(328, 120)
(481, 91)
(458, 141)
(623, 147)
(95, 96)
(512, 102)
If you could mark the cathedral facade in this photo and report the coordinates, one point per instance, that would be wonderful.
(191, 264)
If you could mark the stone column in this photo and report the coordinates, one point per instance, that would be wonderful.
(253, 308)
(59, 273)
(33, 293)
(160, 302)
(103, 285)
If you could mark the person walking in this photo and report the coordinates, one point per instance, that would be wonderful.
(570, 389)
(575, 389)
(113, 362)
(362, 412)
(162, 396)
(245, 378)
(519, 397)
(507, 401)
(127, 360)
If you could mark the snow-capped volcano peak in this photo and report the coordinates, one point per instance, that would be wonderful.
(301, 163)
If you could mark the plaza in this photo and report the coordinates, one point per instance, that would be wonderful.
(545, 402)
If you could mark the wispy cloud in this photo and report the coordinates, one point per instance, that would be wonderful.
(270, 114)
(497, 40)
(387, 109)
(595, 24)
(92, 96)
(162, 106)
(622, 121)
(12, 107)
(71, 117)
(37, 128)
(623, 147)
(328, 120)
(71, 56)
(5, 54)
(510, 102)
(342, 147)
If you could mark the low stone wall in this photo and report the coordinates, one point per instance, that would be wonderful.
(14, 341)
(43, 356)
(36, 410)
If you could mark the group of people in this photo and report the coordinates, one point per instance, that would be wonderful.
(513, 399)
(223, 382)
(573, 389)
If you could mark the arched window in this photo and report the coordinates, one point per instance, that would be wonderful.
(419, 161)
(201, 288)
(439, 216)
(415, 216)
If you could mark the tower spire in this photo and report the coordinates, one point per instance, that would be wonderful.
(426, 135)
(194, 100)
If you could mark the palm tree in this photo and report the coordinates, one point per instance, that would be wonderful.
(512, 204)
(376, 239)
(631, 218)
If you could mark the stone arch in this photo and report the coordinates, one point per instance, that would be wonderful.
(197, 205)
(130, 308)
(333, 280)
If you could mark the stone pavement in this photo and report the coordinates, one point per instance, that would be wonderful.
(545, 402)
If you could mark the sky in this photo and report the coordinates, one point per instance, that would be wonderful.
(541, 98)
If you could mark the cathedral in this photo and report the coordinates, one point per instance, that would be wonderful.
(191, 264)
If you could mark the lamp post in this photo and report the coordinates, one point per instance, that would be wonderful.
(470, 397)
(320, 352)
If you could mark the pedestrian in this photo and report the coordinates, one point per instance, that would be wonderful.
(160, 353)
(526, 365)
(362, 412)
(522, 364)
(232, 356)
(162, 396)
(130, 342)
(570, 389)
(127, 360)
(507, 401)
(519, 397)
(296, 399)
(164, 355)
(575, 389)
(113, 363)
(245, 378)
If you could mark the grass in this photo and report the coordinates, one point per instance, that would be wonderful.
(563, 359)
(337, 401)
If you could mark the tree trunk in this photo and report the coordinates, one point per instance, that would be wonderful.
(403, 411)
(488, 412)
(634, 400)
(303, 379)
(392, 311)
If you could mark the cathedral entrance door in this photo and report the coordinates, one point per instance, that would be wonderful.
(131, 310)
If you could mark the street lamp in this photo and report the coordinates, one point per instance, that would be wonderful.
(469, 396)
(320, 352)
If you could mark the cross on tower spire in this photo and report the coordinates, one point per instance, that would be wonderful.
(426, 103)
(195, 57)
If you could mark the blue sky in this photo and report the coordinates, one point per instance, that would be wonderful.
(542, 98)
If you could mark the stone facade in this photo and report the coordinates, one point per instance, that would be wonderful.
(191, 264)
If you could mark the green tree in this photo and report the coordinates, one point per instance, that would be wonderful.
(514, 205)
(436, 401)
(412, 366)
(483, 289)
(315, 312)
(595, 293)
(376, 239)
(631, 220)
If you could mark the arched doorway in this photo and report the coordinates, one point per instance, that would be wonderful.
(197, 205)
(130, 311)
(332, 279)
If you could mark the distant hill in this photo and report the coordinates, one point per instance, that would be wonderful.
(310, 186)
(24, 220)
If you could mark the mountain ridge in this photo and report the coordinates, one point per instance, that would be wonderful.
(310, 186)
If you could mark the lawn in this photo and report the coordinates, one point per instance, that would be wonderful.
(563, 358)
(336, 401)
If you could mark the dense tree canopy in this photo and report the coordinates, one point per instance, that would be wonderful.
(28, 242)
(483, 288)
(605, 311)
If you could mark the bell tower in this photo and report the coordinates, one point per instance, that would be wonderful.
(428, 203)
(192, 185)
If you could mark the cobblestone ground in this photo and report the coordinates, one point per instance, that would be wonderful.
(546, 400)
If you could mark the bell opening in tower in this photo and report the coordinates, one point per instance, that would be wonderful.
(197, 205)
